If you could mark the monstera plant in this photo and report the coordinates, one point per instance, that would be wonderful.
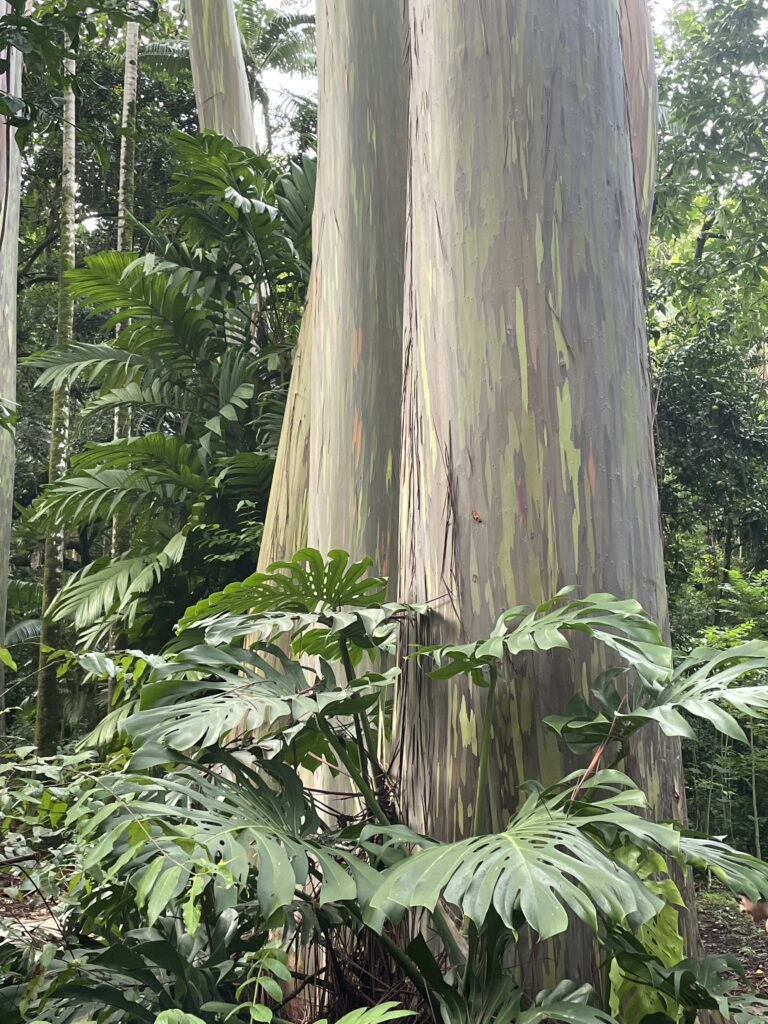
(246, 885)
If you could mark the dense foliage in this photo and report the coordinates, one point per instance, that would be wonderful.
(199, 866)
(220, 836)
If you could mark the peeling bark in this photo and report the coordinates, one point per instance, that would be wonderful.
(527, 432)
(10, 184)
(218, 71)
(48, 706)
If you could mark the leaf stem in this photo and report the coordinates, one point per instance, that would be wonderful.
(481, 797)
(360, 781)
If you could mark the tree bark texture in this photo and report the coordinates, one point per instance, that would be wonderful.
(528, 457)
(126, 191)
(336, 476)
(359, 238)
(218, 70)
(10, 183)
(48, 703)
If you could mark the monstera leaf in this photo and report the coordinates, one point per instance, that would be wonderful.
(621, 626)
(546, 862)
(699, 686)
(221, 819)
(307, 583)
(206, 694)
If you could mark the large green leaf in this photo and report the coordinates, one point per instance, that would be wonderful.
(547, 862)
(306, 583)
(619, 625)
(699, 685)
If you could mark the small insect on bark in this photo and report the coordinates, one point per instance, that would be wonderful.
(476, 517)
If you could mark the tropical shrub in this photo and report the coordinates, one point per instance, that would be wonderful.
(200, 867)
(198, 334)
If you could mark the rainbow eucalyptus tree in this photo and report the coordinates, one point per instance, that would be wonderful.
(527, 426)
(218, 71)
(525, 422)
(337, 475)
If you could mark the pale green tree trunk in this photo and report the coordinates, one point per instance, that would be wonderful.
(358, 241)
(10, 182)
(285, 524)
(48, 704)
(218, 70)
(527, 437)
(336, 484)
(125, 199)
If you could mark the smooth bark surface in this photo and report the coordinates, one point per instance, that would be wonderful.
(527, 444)
(125, 199)
(359, 237)
(10, 179)
(342, 417)
(218, 70)
(48, 705)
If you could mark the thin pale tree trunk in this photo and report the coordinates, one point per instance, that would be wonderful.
(10, 187)
(527, 431)
(125, 200)
(218, 70)
(755, 814)
(48, 702)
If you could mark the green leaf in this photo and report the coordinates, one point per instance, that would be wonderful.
(7, 659)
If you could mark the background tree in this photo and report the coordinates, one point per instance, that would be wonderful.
(218, 69)
(47, 717)
(125, 202)
(10, 194)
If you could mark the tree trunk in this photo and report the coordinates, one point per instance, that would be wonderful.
(753, 773)
(10, 183)
(125, 198)
(218, 70)
(336, 483)
(48, 704)
(527, 433)
(359, 242)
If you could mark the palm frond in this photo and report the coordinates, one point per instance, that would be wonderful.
(113, 585)
(23, 632)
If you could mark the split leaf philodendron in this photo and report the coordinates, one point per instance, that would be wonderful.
(211, 821)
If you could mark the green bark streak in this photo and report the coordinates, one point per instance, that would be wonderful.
(527, 442)
(10, 181)
(48, 705)
(218, 70)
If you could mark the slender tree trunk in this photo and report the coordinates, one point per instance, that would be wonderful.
(218, 70)
(10, 184)
(285, 524)
(48, 704)
(527, 436)
(125, 199)
(755, 814)
(127, 185)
